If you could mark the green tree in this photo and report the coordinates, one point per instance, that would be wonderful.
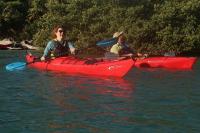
(153, 26)
(12, 17)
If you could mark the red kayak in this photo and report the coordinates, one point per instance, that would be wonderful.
(167, 62)
(5, 46)
(114, 68)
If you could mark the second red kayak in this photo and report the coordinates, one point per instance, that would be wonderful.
(167, 62)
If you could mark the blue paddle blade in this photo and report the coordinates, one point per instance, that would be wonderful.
(106, 43)
(16, 66)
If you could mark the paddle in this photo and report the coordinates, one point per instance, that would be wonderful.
(106, 43)
(18, 65)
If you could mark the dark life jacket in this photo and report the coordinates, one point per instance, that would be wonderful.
(61, 49)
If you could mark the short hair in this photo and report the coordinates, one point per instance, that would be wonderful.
(55, 29)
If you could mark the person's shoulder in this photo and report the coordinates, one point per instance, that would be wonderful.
(115, 45)
(114, 48)
(51, 42)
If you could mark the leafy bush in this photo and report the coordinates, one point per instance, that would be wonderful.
(151, 26)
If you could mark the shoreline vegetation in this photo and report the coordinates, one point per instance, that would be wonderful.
(152, 27)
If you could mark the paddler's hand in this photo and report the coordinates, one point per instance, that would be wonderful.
(42, 58)
(130, 55)
(145, 55)
(73, 51)
(127, 56)
(139, 54)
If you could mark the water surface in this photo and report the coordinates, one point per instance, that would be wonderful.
(145, 100)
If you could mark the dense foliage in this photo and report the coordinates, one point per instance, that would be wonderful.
(153, 26)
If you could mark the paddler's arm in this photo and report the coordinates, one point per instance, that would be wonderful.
(71, 47)
(49, 47)
(138, 56)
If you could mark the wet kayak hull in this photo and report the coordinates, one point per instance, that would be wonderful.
(115, 68)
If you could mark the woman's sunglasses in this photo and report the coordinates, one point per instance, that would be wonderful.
(61, 31)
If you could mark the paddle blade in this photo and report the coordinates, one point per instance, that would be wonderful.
(16, 66)
(106, 43)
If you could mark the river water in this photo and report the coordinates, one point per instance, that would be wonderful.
(144, 101)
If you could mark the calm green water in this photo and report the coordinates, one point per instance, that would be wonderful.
(144, 101)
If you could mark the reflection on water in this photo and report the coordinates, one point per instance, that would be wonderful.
(90, 103)
(116, 87)
(86, 88)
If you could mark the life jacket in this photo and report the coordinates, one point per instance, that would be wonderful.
(61, 49)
